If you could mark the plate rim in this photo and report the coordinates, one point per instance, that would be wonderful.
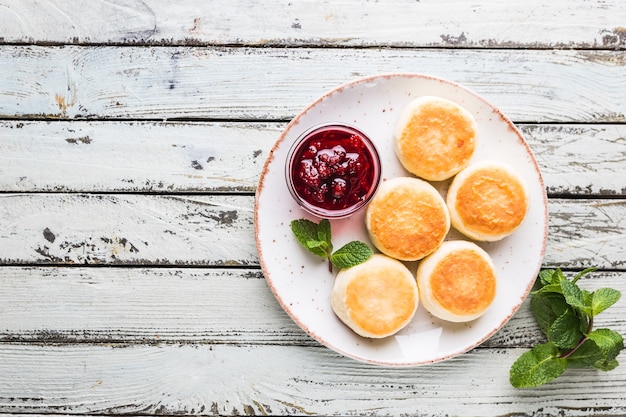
(296, 119)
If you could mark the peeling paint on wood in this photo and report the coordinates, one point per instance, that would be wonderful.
(126, 229)
(570, 88)
(402, 23)
(134, 156)
(286, 380)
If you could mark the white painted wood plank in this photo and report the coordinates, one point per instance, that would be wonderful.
(190, 305)
(127, 229)
(70, 305)
(276, 84)
(133, 156)
(580, 159)
(184, 157)
(479, 24)
(218, 230)
(279, 380)
(586, 233)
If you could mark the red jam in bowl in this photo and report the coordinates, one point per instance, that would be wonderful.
(333, 170)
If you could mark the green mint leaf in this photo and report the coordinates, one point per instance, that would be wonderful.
(549, 288)
(574, 296)
(587, 299)
(565, 331)
(585, 355)
(602, 299)
(565, 313)
(324, 234)
(582, 273)
(548, 276)
(318, 248)
(317, 238)
(304, 230)
(351, 254)
(538, 366)
(306, 233)
(546, 308)
(606, 365)
(610, 342)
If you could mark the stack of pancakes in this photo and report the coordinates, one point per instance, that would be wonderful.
(409, 220)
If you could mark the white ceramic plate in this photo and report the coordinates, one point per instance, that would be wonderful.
(301, 282)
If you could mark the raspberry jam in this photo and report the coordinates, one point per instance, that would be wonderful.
(333, 170)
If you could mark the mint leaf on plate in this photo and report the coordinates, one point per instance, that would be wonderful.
(317, 238)
(351, 254)
(307, 233)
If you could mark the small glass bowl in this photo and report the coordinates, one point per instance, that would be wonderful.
(333, 170)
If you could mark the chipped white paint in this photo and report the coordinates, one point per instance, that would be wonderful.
(133, 156)
(126, 229)
(478, 24)
(138, 304)
(580, 159)
(283, 380)
(277, 83)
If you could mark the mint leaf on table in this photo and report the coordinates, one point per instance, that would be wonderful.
(317, 238)
(585, 355)
(538, 366)
(547, 307)
(565, 314)
(610, 343)
(603, 298)
(565, 331)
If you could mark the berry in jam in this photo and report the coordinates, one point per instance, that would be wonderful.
(333, 170)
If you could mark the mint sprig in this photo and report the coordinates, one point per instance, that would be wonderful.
(565, 314)
(317, 238)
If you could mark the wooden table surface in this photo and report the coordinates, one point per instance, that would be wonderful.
(132, 137)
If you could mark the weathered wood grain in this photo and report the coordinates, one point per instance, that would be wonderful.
(134, 157)
(136, 305)
(276, 83)
(127, 229)
(279, 380)
(190, 305)
(227, 157)
(580, 159)
(218, 230)
(479, 24)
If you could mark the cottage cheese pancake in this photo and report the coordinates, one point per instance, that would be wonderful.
(435, 138)
(487, 201)
(407, 219)
(376, 298)
(457, 282)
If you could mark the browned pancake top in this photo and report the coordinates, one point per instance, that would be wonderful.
(491, 202)
(407, 223)
(437, 138)
(463, 283)
(380, 300)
